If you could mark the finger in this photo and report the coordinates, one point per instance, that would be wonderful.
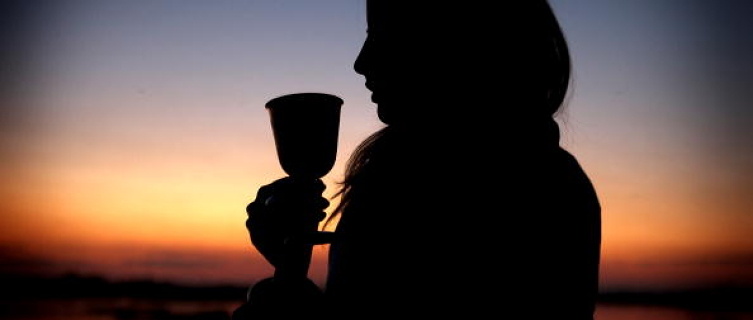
(267, 190)
(264, 192)
(319, 186)
(294, 201)
(316, 203)
(254, 208)
(322, 203)
(319, 237)
(318, 216)
(306, 185)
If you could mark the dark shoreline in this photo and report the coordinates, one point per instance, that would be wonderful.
(74, 286)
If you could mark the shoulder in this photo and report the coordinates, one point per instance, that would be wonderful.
(575, 177)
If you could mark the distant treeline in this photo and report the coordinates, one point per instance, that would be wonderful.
(78, 286)
(711, 299)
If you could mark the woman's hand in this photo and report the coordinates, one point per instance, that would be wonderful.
(283, 211)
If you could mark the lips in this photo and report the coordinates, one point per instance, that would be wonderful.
(371, 87)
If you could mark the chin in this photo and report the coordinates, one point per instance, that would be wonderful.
(392, 113)
(383, 115)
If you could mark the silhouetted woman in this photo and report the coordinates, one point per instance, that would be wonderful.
(463, 203)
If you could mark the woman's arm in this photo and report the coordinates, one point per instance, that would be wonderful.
(282, 223)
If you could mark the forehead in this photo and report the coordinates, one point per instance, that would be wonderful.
(393, 13)
(375, 12)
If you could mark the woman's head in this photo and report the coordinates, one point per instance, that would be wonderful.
(425, 61)
(455, 82)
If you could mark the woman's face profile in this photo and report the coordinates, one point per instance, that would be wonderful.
(368, 61)
(411, 60)
(386, 62)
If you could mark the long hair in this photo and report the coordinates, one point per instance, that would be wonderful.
(549, 80)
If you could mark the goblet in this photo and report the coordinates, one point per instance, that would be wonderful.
(305, 127)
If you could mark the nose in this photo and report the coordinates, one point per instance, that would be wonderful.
(362, 63)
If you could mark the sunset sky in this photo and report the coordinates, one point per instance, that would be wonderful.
(134, 134)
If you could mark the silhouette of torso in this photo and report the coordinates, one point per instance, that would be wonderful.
(437, 226)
